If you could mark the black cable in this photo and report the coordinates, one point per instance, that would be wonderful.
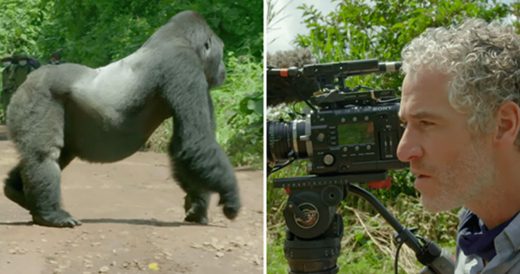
(280, 166)
(396, 261)
(310, 105)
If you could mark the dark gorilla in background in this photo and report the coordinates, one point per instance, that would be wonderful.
(106, 114)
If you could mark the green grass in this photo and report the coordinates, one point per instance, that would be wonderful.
(367, 246)
(276, 263)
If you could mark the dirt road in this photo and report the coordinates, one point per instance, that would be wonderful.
(132, 223)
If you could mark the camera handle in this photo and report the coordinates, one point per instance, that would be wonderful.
(314, 229)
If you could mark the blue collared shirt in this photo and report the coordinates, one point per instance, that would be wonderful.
(506, 260)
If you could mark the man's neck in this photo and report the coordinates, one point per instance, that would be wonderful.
(501, 201)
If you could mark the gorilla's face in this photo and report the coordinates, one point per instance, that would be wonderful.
(207, 45)
(213, 64)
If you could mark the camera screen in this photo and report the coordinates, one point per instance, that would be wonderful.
(359, 133)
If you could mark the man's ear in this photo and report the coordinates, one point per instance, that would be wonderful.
(507, 123)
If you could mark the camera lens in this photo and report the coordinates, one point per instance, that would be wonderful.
(287, 140)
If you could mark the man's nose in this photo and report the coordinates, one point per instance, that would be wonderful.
(409, 147)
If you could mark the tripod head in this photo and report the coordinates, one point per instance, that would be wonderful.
(315, 229)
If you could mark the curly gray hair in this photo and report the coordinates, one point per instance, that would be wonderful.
(482, 60)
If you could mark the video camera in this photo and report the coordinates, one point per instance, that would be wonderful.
(348, 131)
(349, 136)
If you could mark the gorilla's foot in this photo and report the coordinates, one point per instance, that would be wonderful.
(196, 217)
(15, 195)
(196, 210)
(57, 218)
(231, 203)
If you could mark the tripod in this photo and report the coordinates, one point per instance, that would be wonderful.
(315, 230)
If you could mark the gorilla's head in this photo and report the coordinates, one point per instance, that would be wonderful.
(207, 45)
(211, 55)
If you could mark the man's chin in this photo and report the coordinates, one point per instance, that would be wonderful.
(424, 183)
(435, 205)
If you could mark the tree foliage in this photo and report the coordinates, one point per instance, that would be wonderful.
(380, 29)
(20, 26)
(96, 32)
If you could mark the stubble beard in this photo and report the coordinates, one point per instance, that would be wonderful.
(461, 181)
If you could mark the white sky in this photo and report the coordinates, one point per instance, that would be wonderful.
(281, 36)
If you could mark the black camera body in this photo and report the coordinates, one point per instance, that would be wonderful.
(349, 132)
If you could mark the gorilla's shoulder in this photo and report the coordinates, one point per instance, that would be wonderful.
(65, 68)
(59, 72)
(58, 78)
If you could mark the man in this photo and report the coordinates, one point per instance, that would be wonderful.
(460, 108)
(55, 58)
(16, 69)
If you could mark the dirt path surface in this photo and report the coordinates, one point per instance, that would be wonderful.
(132, 223)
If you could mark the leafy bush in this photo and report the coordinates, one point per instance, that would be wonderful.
(97, 32)
(239, 111)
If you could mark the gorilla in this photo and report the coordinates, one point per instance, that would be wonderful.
(106, 114)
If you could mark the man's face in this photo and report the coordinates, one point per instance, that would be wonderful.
(451, 165)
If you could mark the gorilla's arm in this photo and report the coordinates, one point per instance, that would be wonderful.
(199, 163)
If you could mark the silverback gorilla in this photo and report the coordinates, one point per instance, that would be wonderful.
(106, 114)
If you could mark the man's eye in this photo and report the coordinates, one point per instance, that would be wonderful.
(425, 123)
(403, 124)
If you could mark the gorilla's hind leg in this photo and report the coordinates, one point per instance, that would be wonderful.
(13, 187)
(43, 193)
